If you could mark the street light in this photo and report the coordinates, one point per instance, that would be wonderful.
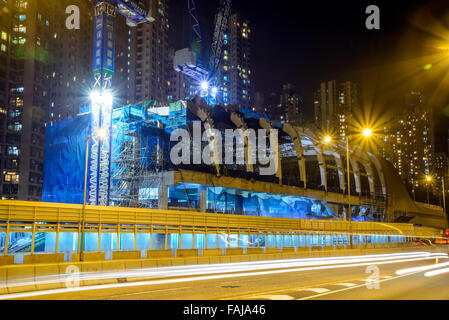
(444, 195)
(366, 133)
(428, 181)
(326, 140)
(101, 133)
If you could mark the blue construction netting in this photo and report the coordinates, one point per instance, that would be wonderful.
(65, 148)
(65, 154)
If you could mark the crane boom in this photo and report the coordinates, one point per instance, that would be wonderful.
(190, 63)
(221, 26)
(194, 21)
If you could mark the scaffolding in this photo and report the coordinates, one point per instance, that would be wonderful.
(137, 159)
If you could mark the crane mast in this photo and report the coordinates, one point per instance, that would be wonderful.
(189, 61)
(99, 162)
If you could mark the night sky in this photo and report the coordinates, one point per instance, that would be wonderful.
(306, 42)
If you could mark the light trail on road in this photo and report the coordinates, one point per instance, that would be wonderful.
(245, 269)
(181, 271)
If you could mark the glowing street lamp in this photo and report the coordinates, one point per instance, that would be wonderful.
(327, 139)
(205, 85)
(428, 181)
(367, 132)
(104, 98)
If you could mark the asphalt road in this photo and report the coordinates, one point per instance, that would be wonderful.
(335, 283)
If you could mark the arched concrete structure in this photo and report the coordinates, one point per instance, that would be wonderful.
(357, 157)
(240, 123)
(205, 116)
(265, 124)
(291, 131)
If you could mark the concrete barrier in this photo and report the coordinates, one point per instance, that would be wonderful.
(159, 254)
(288, 249)
(46, 273)
(20, 278)
(114, 265)
(3, 280)
(212, 252)
(203, 260)
(6, 260)
(88, 256)
(125, 255)
(164, 262)
(149, 263)
(44, 258)
(271, 250)
(214, 259)
(234, 252)
(190, 260)
(187, 253)
(225, 259)
(254, 250)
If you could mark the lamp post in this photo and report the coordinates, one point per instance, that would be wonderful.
(444, 195)
(428, 181)
(366, 134)
(326, 140)
(99, 134)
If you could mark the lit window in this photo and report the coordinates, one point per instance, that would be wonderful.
(4, 36)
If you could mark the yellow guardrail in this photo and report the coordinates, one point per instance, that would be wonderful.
(50, 213)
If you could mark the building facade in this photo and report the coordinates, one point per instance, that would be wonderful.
(409, 141)
(292, 103)
(334, 105)
(150, 64)
(27, 43)
(235, 67)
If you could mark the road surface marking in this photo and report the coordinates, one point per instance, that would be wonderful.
(274, 297)
(346, 284)
(203, 278)
(354, 287)
(316, 290)
(145, 292)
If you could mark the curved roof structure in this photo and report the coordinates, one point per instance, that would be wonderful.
(307, 162)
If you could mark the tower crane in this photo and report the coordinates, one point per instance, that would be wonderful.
(99, 162)
(189, 60)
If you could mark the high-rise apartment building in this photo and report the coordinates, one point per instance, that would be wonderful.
(71, 77)
(440, 165)
(409, 141)
(26, 43)
(46, 76)
(259, 101)
(235, 67)
(291, 102)
(151, 65)
(335, 103)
